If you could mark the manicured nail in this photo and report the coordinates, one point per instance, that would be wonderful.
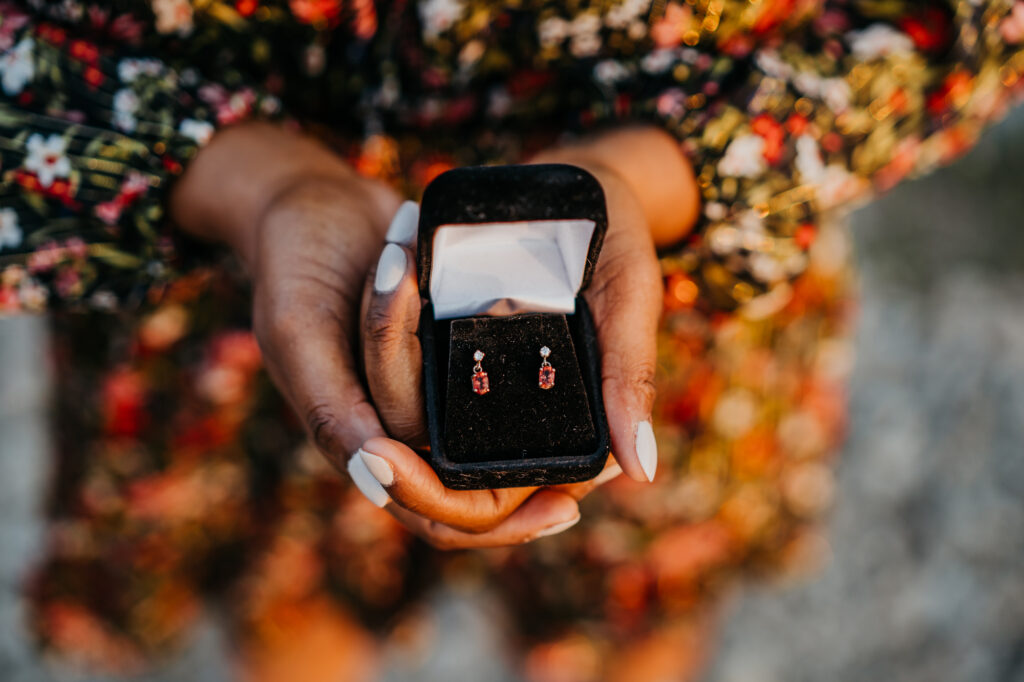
(608, 474)
(405, 224)
(559, 527)
(390, 269)
(646, 449)
(366, 482)
(379, 467)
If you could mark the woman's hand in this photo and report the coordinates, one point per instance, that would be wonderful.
(650, 193)
(309, 229)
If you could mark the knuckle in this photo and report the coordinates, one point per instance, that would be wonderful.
(381, 329)
(635, 375)
(323, 427)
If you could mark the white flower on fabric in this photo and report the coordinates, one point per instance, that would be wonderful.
(770, 62)
(46, 158)
(735, 413)
(724, 240)
(744, 157)
(833, 184)
(766, 268)
(585, 39)
(130, 69)
(552, 31)
(16, 67)
(173, 16)
(197, 131)
(623, 14)
(753, 236)
(609, 72)
(879, 40)
(439, 15)
(808, 159)
(834, 92)
(126, 103)
(10, 231)
(32, 295)
(715, 210)
(657, 61)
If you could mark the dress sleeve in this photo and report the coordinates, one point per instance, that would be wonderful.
(790, 109)
(92, 133)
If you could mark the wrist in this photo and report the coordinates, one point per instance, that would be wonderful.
(650, 165)
(239, 174)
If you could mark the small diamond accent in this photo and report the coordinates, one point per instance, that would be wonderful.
(478, 356)
(545, 351)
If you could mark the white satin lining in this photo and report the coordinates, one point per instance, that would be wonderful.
(508, 268)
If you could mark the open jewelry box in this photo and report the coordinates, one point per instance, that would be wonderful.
(505, 253)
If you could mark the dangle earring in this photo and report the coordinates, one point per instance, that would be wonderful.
(546, 377)
(481, 384)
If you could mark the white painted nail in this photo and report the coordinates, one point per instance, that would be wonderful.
(405, 224)
(390, 269)
(646, 449)
(366, 482)
(559, 527)
(379, 467)
(608, 473)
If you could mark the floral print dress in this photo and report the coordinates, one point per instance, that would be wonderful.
(182, 477)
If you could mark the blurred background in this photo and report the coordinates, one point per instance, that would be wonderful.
(924, 580)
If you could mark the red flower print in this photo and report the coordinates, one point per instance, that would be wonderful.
(84, 51)
(929, 29)
(124, 403)
(246, 7)
(93, 77)
(133, 187)
(52, 34)
(319, 12)
(768, 128)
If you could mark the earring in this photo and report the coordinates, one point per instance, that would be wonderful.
(481, 384)
(546, 378)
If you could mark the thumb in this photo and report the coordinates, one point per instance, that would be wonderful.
(626, 298)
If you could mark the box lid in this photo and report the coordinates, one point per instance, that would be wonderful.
(500, 240)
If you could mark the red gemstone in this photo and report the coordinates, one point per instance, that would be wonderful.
(547, 377)
(481, 384)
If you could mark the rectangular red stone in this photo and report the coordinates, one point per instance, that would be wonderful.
(481, 384)
(547, 377)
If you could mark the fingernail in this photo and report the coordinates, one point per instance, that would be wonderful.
(379, 467)
(366, 482)
(608, 474)
(405, 224)
(390, 269)
(559, 527)
(646, 449)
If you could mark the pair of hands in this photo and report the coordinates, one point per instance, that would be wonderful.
(328, 301)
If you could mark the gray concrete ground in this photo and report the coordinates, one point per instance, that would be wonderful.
(925, 581)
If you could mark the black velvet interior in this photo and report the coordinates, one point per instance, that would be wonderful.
(517, 419)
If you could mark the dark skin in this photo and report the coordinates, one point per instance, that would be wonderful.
(310, 231)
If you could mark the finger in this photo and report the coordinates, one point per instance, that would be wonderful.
(626, 298)
(391, 347)
(305, 315)
(303, 349)
(404, 225)
(408, 480)
(578, 491)
(546, 513)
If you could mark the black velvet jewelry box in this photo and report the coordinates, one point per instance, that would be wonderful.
(505, 253)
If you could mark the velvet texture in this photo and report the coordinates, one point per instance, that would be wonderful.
(517, 434)
(516, 419)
